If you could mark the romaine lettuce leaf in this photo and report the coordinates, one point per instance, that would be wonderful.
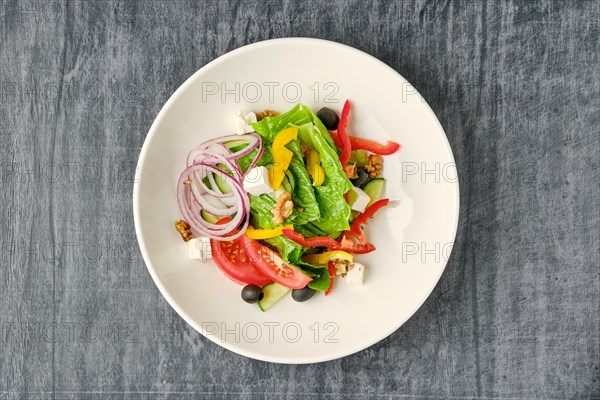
(291, 252)
(330, 195)
(299, 115)
(262, 217)
(303, 196)
(269, 127)
(333, 209)
(245, 161)
(325, 212)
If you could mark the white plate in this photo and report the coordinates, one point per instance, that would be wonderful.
(413, 239)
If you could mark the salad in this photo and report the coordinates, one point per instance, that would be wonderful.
(281, 206)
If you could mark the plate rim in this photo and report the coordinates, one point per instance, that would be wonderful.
(137, 218)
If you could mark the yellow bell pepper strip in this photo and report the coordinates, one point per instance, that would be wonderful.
(324, 258)
(266, 233)
(281, 156)
(313, 165)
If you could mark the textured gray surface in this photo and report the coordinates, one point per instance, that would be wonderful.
(517, 88)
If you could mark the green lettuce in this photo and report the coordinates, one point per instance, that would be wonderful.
(291, 252)
(324, 209)
(245, 161)
(269, 127)
(303, 196)
(334, 212)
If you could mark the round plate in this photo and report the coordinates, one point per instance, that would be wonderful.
(413, 237)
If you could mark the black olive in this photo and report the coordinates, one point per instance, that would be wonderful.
(252, 293)
(303, 294)
(363, 178)
(329, 118)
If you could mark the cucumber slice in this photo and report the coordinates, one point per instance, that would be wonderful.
(208, 217)
(236, 143)
(375, 190)
(223, 187)
(272, 293)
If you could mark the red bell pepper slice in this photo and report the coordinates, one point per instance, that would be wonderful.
(345, 242)
(343, 137)
(356, 227)
(348, 245)
(318, 241)
(331, 270)
(336, 139)
(366, 144)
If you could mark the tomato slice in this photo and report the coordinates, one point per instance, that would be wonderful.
(270, 264)
(231, 258)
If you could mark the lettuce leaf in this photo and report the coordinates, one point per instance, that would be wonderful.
(262, 217)
(325, 211)
(303, 196)
(291, 252)
(334, 212)
(269, 127)
(245, 161)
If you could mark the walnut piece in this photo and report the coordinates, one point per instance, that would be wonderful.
(184, 230)
(342, 267)
(374, 165)
(283, 208)
(265, 114)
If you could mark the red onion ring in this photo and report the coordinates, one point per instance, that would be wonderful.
(192, 202)
(211, 157)
(254, 141)
(206, 204)
(194, 195)
(218, 146)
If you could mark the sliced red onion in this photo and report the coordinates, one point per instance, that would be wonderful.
(191, 202)
(254, 140)
(216, 192)
(194, 195)
(228, 199)
(218, 146)
(211, 204)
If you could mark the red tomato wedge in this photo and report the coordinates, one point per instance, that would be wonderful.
(270, 264)
(233, 261)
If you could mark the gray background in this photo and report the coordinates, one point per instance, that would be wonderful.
(516, 86)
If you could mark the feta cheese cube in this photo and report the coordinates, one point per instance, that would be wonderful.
(242, 122)
(356, 275)
(358, 199)
(199, 249)
(257, 181)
